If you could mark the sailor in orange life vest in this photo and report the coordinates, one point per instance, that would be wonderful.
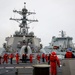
(5, 58)
(43, 57)
(54, 61)
(69, 54)
(11, 56)
(17, 58)
(38, 58)
(31, 58)
(46, 57)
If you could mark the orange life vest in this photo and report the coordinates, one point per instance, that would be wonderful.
(53, 58)
(69, 55)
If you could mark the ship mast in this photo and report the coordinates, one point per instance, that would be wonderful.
(62, 33)
(24, 21)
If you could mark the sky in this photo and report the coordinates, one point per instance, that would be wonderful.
(53, 16)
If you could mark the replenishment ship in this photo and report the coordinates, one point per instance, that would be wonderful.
(60, 44)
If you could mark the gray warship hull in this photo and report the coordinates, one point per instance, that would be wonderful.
(15, 42)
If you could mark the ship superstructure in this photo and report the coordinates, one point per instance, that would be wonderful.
(62, 42)
(22, 36)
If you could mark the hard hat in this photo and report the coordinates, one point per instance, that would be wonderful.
(69, 49)
(53, 53)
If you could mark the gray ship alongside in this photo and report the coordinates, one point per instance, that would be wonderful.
(23, 36)
(59, 45)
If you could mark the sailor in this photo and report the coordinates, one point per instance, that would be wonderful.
(5, 58)
(31, 58)
(49, 58)
(17, 58)
(11, 56)
(38, 58)
(24, 57)
(43, 57)
(69, 53)
(54, 61)
(46, 57)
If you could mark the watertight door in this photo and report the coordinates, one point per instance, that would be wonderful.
(68, 66)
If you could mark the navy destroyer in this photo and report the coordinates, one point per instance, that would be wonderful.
(23, 37)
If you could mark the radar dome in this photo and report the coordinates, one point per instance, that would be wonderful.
(31, 33)
(16, 32)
